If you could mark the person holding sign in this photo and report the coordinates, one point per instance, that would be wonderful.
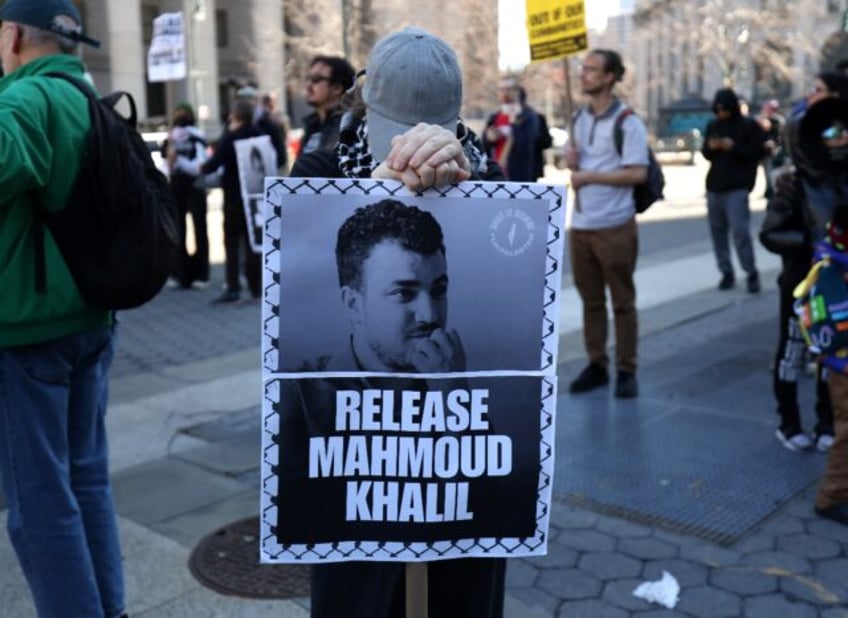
(604, 240)
(235, 225)
(406, 127)
(404, 124)
(393, 279)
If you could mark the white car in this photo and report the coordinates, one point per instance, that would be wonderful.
(559, 138)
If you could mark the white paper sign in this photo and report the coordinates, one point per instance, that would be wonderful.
(256, 159)
(409, 369)
(166, 58)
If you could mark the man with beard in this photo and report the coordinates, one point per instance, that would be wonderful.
(604, 240)
(329, 77)
(394, 284)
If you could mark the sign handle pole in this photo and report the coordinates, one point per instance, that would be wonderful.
(569, 110)
(416, 590)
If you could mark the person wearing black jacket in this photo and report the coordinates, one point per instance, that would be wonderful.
(264, 121)
(805, 198)
(235, 223)
(734, 145)
(328, 79)
(406, 127)
(517, 135)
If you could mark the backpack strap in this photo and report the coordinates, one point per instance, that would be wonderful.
(618, 131)
(40, 210)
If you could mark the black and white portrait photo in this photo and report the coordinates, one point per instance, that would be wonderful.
(386, 285)
(256, 159)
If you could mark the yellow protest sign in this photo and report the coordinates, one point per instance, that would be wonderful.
(556, 28)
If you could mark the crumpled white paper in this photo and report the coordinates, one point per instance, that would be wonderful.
(666, 591)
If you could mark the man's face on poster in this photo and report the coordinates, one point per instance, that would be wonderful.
(401, 303)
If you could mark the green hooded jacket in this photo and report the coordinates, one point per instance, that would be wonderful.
(43, 125)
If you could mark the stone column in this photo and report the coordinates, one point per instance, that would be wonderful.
(203, 63)
(125, 51)
(267, 45)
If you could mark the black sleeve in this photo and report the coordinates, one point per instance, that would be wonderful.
(709, 132)
(277, 135)
(751, 145)
(317, 164)
(544, 140)
(219, 154)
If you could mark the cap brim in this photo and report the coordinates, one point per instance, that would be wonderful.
(381, 130)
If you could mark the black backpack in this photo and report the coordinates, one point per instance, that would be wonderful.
(118, 230)
(651, 190)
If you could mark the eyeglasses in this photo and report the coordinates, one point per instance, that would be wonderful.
(317, 79)
(588, 68)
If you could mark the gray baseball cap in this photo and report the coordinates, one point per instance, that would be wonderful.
(411, 77)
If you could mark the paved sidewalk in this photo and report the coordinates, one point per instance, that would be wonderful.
(688, 478)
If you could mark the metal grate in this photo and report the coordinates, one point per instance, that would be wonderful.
(227, 561)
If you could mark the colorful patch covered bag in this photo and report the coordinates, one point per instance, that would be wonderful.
(822, 304)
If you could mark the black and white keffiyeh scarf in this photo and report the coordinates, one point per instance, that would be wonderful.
(356, 161)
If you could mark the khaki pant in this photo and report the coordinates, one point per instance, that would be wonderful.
(600, 259)
(833, 488)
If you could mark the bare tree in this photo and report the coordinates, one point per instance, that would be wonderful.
(685, 47)
(312, 27)
(479, 59)
(751, 40)
(360, 30)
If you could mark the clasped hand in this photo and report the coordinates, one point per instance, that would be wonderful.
(425, 156)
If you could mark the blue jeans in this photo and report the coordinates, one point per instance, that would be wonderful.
(54, 467)
(728, 213)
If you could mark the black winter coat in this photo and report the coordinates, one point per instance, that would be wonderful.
(736, 168)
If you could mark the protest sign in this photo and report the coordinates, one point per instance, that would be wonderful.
(166, 58)
(255, 157)
(556, 28)
(409, 368)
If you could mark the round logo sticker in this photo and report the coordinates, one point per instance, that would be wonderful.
(512, 232)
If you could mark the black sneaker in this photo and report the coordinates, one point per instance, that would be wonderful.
(626, 386)
(837, 513)
(229, 296)
(592, 377)
(728, 282)
(753, 283)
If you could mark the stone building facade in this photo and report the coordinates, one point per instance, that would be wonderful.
(762, 48)
(235, 42)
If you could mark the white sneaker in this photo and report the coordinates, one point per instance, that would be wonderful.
(823, 442)
(798, 442)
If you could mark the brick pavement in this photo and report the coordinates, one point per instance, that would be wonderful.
(185, 391)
